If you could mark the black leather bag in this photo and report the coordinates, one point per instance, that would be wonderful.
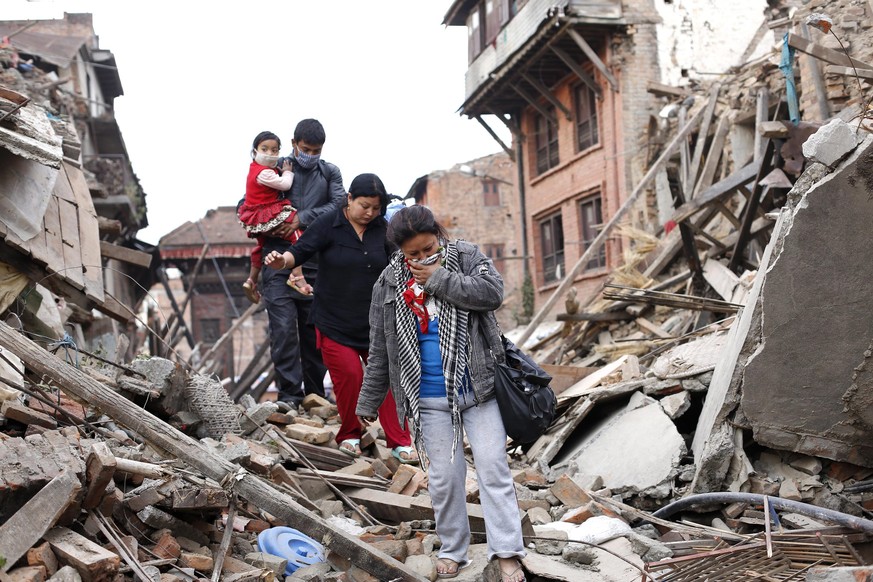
(527, 403)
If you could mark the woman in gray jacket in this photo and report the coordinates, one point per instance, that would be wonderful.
(433, 339)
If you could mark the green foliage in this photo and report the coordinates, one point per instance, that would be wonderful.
(527, 296)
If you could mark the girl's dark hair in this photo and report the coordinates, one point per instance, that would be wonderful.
(263, 136)
(370, 185)
(411, 221)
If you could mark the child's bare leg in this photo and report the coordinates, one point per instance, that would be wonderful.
(296, 281)
(250, 287)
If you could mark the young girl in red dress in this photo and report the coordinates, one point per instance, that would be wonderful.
(263, 209)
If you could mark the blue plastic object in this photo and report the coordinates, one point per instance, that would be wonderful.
(285, 542)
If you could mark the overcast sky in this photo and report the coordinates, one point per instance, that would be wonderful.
(201, 80)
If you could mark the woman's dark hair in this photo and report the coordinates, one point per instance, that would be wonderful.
(311, 131)
(264, 136)
(369, 186)
(411, 221)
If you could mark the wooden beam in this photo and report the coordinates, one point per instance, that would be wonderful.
(838, 70)
(27, 525)
(593, 57)
(823, 53)
(162, 275)
(703, 134)
(580, 72)
(749, 212)
(604, 316)
(716, 150)
(717, 191)
(762, 114)
(125, 255)
(773, 129)
(176, 444)
(606, 231)
(661, 90)
(533, 103)
(509, 151)
(821, 94)
(544, 91)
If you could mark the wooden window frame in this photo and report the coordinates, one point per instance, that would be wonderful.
(585, 117)
(588, 230)
(552, 251)
(547, 155)
(490, 192)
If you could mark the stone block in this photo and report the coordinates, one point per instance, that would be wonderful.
(268, 562)
(167, 548)
(94, 563)
(788, 490)
(551, 542)
(806, 464)
(414, 547)
(539, 516)
(42, 555)
(311, 401)
(197, 561)
(424, 566)
(15, 410)
(569, 493)
(359, 467)
(395, 548)
(401, 479)
(308, 434)
(314, 422)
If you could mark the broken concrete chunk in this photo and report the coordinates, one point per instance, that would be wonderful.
(808, 465)
(830, 143)
(256, 416)
(638, 448)
(551, 542)
(676, 405)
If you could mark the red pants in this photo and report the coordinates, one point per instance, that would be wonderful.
(347, 375)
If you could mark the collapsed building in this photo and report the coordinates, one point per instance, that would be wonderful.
(712, 392)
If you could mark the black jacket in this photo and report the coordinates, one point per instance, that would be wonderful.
(313, 193)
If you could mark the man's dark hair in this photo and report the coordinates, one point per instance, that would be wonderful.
(411, 221)
(311, 131)
(264, 136)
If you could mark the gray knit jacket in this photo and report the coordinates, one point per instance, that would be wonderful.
(478, 288)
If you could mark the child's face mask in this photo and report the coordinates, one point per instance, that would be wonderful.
(266, 159)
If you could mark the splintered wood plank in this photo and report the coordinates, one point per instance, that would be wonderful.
(89, 234)
(25, 528)
(69, 214)
(125, 255)
(54, 258)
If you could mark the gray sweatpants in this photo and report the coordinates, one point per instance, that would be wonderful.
(446, 480)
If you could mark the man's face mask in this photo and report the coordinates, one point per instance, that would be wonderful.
(307, 161)
(266, 159)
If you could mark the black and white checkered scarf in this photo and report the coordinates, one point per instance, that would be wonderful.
(453, 348)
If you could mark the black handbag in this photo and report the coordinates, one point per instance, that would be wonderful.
(527, 403)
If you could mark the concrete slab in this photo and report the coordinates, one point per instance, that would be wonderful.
(806, 386)
(638, 448)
